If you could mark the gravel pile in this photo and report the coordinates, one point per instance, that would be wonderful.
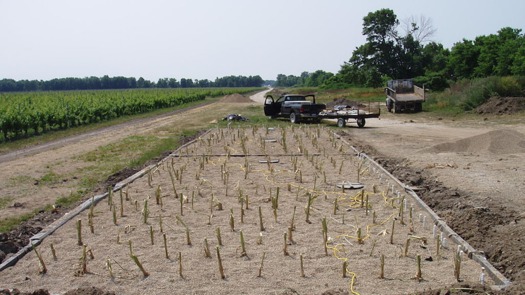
(504, 141)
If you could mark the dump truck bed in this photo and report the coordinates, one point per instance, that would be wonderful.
(403, 97)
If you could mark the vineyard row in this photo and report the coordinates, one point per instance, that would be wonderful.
(31, 113)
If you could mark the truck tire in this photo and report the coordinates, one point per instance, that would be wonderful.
(418, 107)
(389, 105)
(395, 108)
(341, 122)
(294, 118)
(361, 122)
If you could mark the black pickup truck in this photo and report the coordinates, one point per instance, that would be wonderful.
(294, 106)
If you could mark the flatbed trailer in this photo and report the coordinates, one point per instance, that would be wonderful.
(358, 114)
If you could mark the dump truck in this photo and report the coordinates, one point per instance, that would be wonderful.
(404, 96)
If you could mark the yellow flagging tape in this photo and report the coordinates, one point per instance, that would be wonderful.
(335, 251)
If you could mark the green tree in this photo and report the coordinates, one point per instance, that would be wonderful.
(382, 50)
(435, 58)
(463, 60)
(518, 66)
(317, 78)
(512, 43)
(488, 47)
(140, 83)
(162, 83)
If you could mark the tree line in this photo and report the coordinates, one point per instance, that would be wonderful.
(306, 79)
(389, 53)
(106, 82)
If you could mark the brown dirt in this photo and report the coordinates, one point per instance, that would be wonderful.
(204, 184)
(468, 172)
(502, 105)
(79, 291)
(236, 98)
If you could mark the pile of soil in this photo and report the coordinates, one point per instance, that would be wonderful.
(497, 142)
(502, 105)
(493, 229)
(344, 101)
(18, 238)
(236, 98)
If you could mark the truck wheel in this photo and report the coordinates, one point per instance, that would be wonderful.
(361, 122)
(395, 108)
(341, 122)
(294, 118)
(418, 107)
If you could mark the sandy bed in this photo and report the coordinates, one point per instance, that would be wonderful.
(207, 180)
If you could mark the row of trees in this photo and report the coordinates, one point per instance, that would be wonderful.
(390, 54)
(398, 50)
(307, 79)
(106, 82)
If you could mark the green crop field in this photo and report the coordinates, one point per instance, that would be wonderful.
(31, 113)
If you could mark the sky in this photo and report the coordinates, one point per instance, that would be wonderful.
(206, 39)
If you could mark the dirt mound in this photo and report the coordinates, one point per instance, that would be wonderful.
(344, 101)
(236, 98)
(502, 105)
(19, 237)
(503, 141)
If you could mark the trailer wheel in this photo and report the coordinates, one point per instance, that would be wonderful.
(361, 122)
(294, 118)
(341, 122)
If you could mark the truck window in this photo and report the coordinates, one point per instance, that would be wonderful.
(294, 98)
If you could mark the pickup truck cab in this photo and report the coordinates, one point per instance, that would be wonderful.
(296, 107)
